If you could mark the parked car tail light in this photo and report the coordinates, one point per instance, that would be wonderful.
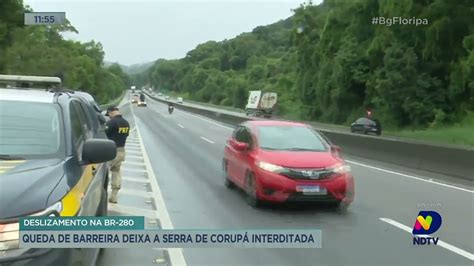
(10, 233)
(9, 236)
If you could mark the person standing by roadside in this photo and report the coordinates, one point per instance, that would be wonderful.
(116, 129)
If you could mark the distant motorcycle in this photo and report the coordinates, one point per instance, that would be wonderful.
(170, 109)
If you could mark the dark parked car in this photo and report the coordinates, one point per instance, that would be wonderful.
(52, 163)
(367, 125)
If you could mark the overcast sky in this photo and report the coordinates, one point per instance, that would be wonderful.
(138, 31)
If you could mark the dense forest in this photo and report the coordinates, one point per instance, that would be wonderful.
(41, 50)
(329, 63)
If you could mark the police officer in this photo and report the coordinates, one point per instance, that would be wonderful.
(142, 97)
(117, 129)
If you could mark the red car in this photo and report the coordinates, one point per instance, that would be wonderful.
(279, 161)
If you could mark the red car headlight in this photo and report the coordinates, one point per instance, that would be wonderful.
(270, 167)
(341, 169)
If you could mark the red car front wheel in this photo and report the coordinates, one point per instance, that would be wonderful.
(227, 182)
(251, 191)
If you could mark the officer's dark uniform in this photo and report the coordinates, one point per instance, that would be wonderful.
(117, 129)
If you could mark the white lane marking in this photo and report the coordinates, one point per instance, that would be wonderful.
(130, 163)
(209, 121)
(412, 177)
(137, 193)
(135, 179)
(181, 126)
(133, 155)
(440, 242)
(210, 141)
(176, 254)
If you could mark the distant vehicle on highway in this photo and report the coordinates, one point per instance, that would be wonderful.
(279, 161)
(142, 100)
(367, 125)
(135, 98)
(261, 103)
(167, 97)
(160, 94)
(180, 100)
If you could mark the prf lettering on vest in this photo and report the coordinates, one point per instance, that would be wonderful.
(123, 130)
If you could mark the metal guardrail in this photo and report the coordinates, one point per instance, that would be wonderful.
(442, 159)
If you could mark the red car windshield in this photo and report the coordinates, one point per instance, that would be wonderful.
(291, 138)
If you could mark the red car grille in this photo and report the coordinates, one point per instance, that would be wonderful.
(308, 174)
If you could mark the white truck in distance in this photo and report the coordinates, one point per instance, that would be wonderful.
(261, 103)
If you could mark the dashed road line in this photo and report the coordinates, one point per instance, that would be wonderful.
(208, 140)
(181, 126)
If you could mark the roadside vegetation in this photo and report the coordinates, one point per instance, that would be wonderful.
(41, 50)
(459, 133)
(329, 64)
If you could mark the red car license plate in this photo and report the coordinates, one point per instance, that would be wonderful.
(311, 190)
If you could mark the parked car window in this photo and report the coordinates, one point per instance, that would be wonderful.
(85, 114)
(77, 126)
(30, 129)
(365, 121)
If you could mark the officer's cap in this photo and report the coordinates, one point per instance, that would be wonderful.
(111, 109)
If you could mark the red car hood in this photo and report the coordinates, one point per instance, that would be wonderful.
(299, 159)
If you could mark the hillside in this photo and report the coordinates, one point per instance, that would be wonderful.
(137, 68)
(329, 63)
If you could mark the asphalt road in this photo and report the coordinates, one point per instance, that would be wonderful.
(186, 152)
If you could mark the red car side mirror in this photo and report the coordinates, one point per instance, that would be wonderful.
(336, 150)
(240, 146)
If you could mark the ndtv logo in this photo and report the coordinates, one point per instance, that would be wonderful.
(427, 223)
